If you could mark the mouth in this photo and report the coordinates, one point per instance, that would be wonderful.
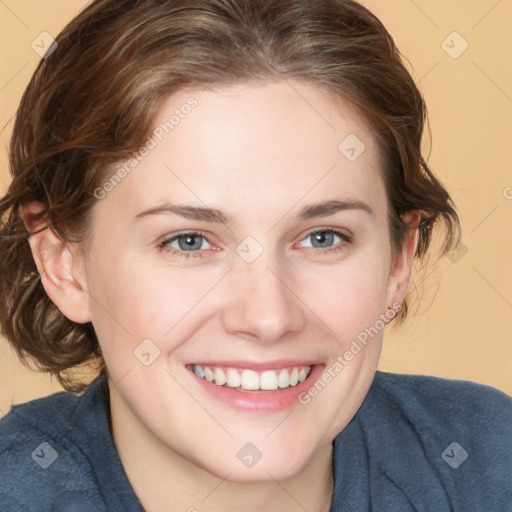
(246, 386)
(246, 380)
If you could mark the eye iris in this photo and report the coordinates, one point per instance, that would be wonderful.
(323, 236)
(189, 241)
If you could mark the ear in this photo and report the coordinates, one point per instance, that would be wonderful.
(400, 272)
(60, 265)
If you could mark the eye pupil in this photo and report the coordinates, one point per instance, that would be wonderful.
(323, 236)
(191, 242)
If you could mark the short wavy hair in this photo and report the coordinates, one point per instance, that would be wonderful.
(91, 102)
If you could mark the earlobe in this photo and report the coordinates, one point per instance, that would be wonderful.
(58, 266)
(400, 273)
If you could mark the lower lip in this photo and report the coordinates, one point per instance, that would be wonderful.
(268, 401)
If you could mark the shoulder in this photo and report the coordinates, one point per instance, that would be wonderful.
(29, 430)
(474, 416)
(439, 438)
(41, 415)
(35, 437)
(440, 403)
(437, 391)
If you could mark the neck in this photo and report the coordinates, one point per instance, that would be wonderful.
(162, 479)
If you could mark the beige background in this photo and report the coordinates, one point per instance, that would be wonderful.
(462, 326)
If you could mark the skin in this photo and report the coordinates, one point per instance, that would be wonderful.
(259, 152)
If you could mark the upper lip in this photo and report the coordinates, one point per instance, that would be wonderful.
(257, 365)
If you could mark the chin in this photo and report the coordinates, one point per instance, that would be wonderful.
(263, 473)
(252, 466)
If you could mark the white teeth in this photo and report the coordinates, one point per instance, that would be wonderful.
(233, 379)
(208, 374)
(269, 380)
(294, 377)
(283, 379)
(250, 380)
(220, 377)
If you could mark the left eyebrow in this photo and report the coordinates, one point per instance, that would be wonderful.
(331, 207)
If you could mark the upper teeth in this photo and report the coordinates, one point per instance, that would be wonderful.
(251, 380)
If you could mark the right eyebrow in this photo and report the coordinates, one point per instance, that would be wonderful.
(189, 212)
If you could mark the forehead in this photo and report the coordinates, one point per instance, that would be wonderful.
(261, 146)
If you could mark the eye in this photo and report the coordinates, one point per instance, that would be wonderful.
(185, 244)
(323, 239)
(192, 244)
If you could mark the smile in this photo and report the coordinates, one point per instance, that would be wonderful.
(246, 380)
(257, 387)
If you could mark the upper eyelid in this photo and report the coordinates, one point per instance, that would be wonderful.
(345, 237)
(172, 238)
(338, 231)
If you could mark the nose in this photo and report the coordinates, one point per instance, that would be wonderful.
(262, 303)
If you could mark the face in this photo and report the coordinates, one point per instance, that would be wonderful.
(248, 245)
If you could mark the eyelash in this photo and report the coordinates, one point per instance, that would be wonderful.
(164, 245)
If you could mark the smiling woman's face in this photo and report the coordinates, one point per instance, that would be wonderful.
(271, 288)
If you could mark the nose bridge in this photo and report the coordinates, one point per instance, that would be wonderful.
(262, 302)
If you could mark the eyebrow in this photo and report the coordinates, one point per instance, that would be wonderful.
(324, 209)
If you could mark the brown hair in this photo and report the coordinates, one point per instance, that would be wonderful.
(91, 102)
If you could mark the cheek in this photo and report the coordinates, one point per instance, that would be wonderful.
(348, 295)
(134, 300)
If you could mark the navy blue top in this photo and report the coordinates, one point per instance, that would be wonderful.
(417, 443)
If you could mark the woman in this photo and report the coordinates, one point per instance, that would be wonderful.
(223, 200)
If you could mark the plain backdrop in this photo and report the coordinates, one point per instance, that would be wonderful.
(458, 52)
